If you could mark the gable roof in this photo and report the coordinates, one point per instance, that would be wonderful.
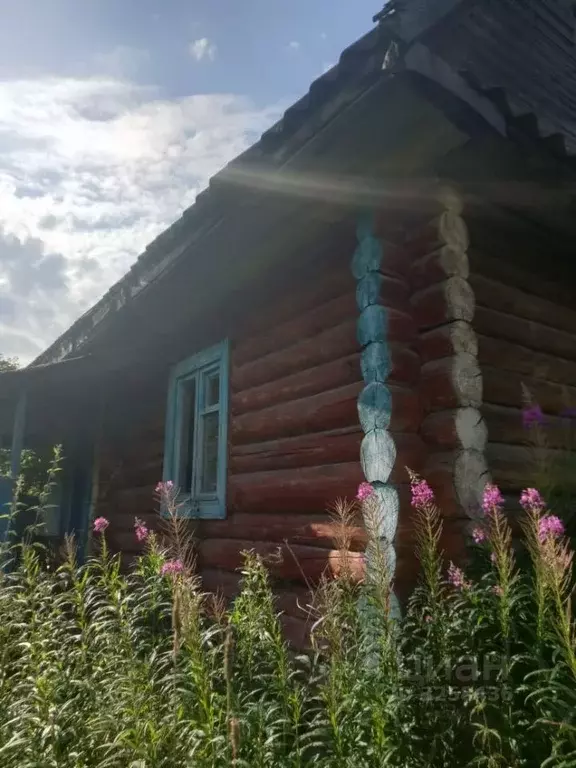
(512, 61)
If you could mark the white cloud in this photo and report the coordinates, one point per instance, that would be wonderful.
(90, 172)
(294, 45)
(202, 49)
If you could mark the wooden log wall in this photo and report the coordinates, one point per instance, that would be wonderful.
(302, 367)
(453, 428)
(526, 330)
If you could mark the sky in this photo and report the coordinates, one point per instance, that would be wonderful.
(113, 116)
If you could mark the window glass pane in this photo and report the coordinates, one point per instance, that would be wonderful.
(208, 482)
(188, 395)
(211, 389)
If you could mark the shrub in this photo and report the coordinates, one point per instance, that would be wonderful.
(100, 669)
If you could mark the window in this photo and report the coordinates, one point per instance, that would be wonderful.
(195, 453)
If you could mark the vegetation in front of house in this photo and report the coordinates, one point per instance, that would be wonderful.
(101, 669)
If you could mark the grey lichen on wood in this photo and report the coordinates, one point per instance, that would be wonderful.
(377, 455)
(376, 362)
(372, 325)
(375, 407)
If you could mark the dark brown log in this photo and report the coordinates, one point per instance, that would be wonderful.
(505, 426)
(302, 451)
(328, 376)
(448, 340)
(300, 326)
(296, 562)
(315, 530)
(310, 489)
(318, 449)
(528, 333)
(458, 428)
(516, 467)
(327, 284)
(514, 357)
(500, 267)
(509, 299)
(444, 302)
(327, 411)
(327, 346)
(506, 387)
(332, 344)
(451, 382)
(435, 267)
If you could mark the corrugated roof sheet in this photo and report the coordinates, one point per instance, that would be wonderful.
(521, 53)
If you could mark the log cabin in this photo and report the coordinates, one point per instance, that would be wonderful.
(368, 287)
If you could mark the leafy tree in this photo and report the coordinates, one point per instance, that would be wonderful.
(8, 363)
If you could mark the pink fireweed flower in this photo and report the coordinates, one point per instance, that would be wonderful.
(141, 530)
(422, 494)
(531, 500)
(550, 527)
(532, 415)
(456, 577)
(164, 488)
(100, 524)
(492, 499)
(498, 590)
(365, 490)
(172, 568)
(479, 535)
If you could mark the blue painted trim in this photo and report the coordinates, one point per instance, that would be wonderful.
(378, 449)
(200, 505)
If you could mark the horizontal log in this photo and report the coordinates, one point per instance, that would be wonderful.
(505, 426)
(448, 340)
(456, 428)
(445, 302)
(332, 344)
(300, 326)
(330, 375)
(377, 323)
(309, 450)
(335, 409)
(451, 382)
(328, 281)
(528, 362)
(528, 333)
(499, 266)
(376, 288)
(316, 530)
(515, 467)
(435, 267)
(506, 387)
(326, 411)
(310, 489)
(318, 449)
(505, 297)
(296, 562)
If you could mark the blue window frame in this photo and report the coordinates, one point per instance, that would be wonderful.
(196, 432)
